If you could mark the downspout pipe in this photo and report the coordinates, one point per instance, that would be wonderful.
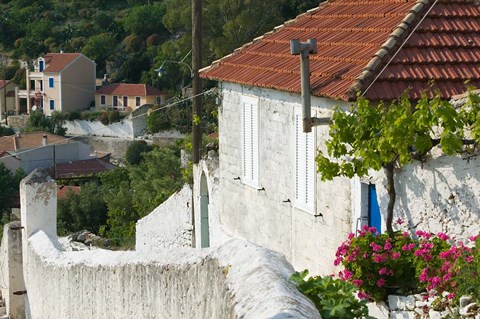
(304, 49)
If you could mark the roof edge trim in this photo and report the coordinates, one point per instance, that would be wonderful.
(393, 41)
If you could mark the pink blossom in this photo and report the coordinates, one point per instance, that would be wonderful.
(351, 235)
(469, 259)
(347, 274)
(357, 282)
(362, 295)
(395, 255)
(379, 258)
(376, 247)
(473, 238)
(450, 296)
(424, 275)
(423, 234)
(408, 247)
(385, 271)
(387, 246)
(443, 236)
(380, 282)
(399, 221)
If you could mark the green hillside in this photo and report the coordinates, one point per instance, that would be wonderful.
(128, 38)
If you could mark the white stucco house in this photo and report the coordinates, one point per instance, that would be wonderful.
(266, 188)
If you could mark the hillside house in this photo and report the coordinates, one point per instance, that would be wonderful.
(268, 190)
(7, 98)
(63, 82)
(127, 97)
(40, 149)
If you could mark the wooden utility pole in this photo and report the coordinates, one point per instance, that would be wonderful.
(4, 100)
(196, 81)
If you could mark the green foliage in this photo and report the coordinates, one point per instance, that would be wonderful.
(376, 136)
(136, 151)
(99, 47)
(39, 122)
(5, 131)
(85, 210)
(10, 183)
(332, 297)
(146, 19)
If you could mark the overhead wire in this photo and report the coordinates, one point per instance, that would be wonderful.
(102, 128)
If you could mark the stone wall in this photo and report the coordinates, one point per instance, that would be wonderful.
(18, 121)
(11, 275)
(123, 129)
(235, 280)
(442, 194)
(268, 216)
(169, 225)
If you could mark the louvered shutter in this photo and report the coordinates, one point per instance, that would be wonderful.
(304, 165)
(250, 141)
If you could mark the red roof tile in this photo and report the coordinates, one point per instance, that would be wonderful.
(14, 143)
(129, 90)
(56, 62)
(444, 47)
(63, 190)
(81, 168)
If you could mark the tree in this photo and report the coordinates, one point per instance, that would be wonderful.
(9, 189)
(136, 152)
(145, 20)
(39, 122)
(99, 47)
(389, 136)
(85, 210)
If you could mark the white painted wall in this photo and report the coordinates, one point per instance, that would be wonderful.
(11, 275)
(81, 127)
(235, 280)
(169, 225)
(265, 216)
(442, 194)
(218, 234)
(58, 153)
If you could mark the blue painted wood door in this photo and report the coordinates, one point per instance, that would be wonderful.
(374, 217)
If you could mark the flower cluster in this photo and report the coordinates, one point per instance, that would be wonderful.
(378, 263)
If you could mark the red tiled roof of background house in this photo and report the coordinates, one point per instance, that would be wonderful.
(81, 168)
(129, 90)
(21, 141)
(350, 34)
(63, 190)
(56, 62)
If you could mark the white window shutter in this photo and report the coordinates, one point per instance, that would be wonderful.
(250, 142)
(304, 165)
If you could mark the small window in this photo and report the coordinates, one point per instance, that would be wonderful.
(137, 101)
(159, 100)
(41, 85)
(115, 100)
(52, 105)
(250, 141)
(125, 101)
(304, 165)
(51, 83)
(41, 65)
(102, 100)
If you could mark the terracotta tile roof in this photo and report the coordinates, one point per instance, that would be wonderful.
(63, 190)
(81, 168)
(129, 90)
(356, 39)
(56, 62)
(14, 143)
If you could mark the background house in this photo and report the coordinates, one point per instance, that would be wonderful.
(268, 190)
(7, 97)
(127, 97)
(63, 82)
(40, 149)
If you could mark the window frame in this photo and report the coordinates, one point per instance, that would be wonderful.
(115, 101)
(51, 82)
(138, 101)
(52, 104)
(250, 141)
(103, 99)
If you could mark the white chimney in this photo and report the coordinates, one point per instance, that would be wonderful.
(44, 140)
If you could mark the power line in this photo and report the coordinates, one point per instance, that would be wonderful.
(102, 128)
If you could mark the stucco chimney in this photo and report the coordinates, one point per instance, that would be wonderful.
(44, 140)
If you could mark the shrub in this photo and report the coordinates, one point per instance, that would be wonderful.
(332, 297)
(381, 264)
(135, 152)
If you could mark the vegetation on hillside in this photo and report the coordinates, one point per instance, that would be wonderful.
(129, 38)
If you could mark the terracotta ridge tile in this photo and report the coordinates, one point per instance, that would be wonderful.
(392, 42)
(368, 2)
(368, 30)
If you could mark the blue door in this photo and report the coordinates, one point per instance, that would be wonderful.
(374, 217)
